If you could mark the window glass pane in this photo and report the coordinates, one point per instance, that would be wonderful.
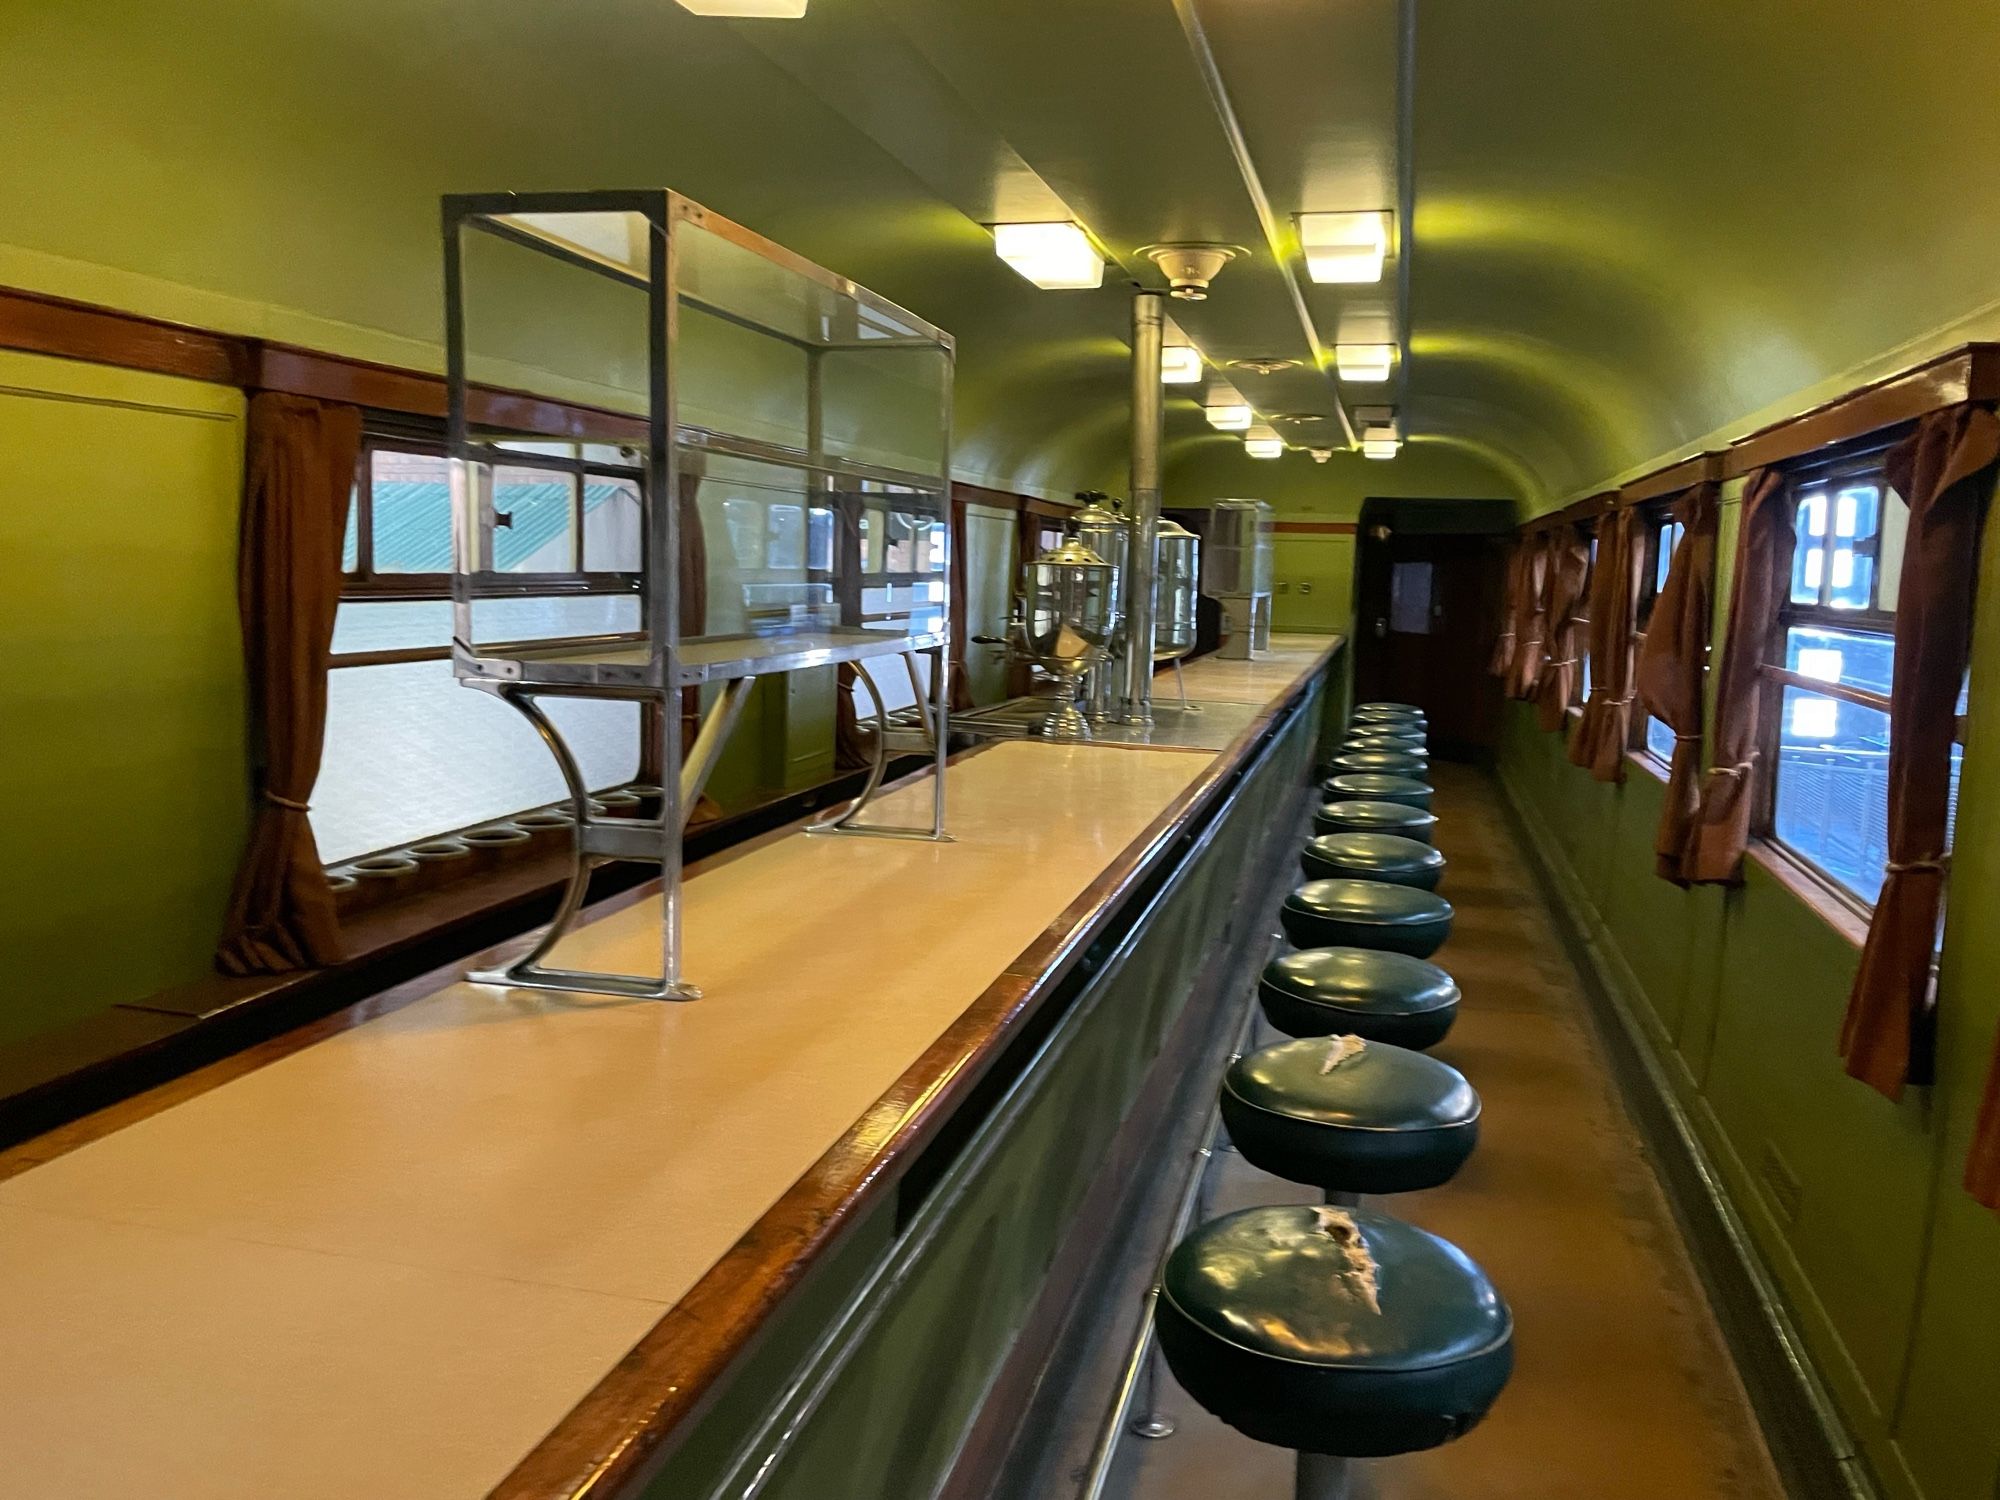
(390, 624)
(1809, 555)
(350, 540)
(411, 498)
(409, 753)
(1659, 738)
(613, 538)
(1833, 787)
(1862, 659)
(1851, 547)
(1671, 533)
(533, 516)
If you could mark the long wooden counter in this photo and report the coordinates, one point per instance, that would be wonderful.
(456, 1242)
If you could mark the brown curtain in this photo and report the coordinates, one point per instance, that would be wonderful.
(299, 467)
(1670, 669)
(1569, 575)
(1529, 618)
(1763, 570)
(1508, 641)
(1888, 1036)
(1606, 727)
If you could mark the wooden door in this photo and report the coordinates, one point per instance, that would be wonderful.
(1427, 610)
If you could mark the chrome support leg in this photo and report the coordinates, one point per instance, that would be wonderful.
(1323, 1477)
(843, 820)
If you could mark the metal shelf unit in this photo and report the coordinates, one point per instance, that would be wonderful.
(761, 539)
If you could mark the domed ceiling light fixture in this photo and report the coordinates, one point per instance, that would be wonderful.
(1190, 268)
(1055, 257)
(769, 10)
(1344, 248)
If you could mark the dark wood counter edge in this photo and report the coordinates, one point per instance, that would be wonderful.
(610, 1441)
(623, 1422)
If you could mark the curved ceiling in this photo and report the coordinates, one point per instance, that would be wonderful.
(1632, 226)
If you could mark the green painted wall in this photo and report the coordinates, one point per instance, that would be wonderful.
(1891, 1271)
(122, 761)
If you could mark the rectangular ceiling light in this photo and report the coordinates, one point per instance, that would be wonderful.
(1364, 364)
(1228, 413)
(1056, 257)
(777, 10)
(1347, 248)
(1380, 442)
(1261, 442)
(1180, 364)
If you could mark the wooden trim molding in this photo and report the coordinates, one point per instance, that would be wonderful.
(1703, 468)
(1968, 373)
(1316, 528)
(34, 324)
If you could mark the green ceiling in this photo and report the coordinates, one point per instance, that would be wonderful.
(1634, 225)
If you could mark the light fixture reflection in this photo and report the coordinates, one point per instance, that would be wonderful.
(1055, 257)
(1344, 248)
(1380, 442)
(1180, 364)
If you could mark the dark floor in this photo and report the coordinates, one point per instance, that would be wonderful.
(1623, 1389)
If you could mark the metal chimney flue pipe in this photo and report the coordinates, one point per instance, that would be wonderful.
(1149, 317)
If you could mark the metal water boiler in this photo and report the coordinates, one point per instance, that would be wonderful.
(1068, 621)
(1099, 526)
(1176, 590)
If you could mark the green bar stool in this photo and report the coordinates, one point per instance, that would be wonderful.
(1387, 762)
(1365, 992)
(1338, 1333)
(1392, 734)
(1350, 1116)
(1372, 856)
(1382, 710)
(1366, 914)
(1373, 786)
(1399, 744)
(1398, 818)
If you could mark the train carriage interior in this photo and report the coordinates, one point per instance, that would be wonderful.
(999, 750)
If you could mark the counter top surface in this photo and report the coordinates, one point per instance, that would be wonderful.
(389, 1262)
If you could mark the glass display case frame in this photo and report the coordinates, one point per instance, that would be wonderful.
(661, 245)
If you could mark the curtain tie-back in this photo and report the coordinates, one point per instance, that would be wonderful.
(1567, 661)
(1622, 702)
(285, 802)
(1934, 866)
(1741, 768)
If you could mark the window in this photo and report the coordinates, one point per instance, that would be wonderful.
(409, 753)
(1828, 678)
(1663, 535)
(1579, 693)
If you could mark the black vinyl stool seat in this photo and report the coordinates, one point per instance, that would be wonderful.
(1333, 1331)
(1375, 817)
(1364, 992)
(1372, 856)
(1389, 762)
(1350, 1116)
(1366, 914)
(1373, 786)
(1384, 710)
(1394, 744)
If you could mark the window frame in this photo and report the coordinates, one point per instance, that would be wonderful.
(1825, 472)
(1656, 517)
(364, 584)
